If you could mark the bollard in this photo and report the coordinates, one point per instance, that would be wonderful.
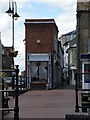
(16, 109)
(76, 91)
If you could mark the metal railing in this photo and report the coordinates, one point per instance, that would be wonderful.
(16, 92)
(77, 89)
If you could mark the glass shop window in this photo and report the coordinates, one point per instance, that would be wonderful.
(39, 71)
(87, 73)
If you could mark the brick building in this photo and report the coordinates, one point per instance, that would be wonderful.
(41, 36)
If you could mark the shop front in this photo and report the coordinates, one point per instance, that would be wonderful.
(39, 70)
(85, 59)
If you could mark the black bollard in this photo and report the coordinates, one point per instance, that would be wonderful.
(76, 91)
(16, 109)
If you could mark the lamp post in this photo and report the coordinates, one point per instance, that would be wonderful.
(12, 11)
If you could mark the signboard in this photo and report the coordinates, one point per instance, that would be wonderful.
(87, 73)
(84, 57)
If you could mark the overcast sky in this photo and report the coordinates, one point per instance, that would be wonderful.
(63, 11)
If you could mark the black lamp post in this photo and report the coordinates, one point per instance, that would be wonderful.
(12, 11)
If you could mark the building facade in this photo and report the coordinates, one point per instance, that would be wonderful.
(41, 36)
(83, 42)
(72, 60)
(68, 42)
(7, 60)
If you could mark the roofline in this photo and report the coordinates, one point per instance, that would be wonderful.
(69, 33)
(41, 21)
(70, 48)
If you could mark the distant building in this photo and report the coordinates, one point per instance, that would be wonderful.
(43, 66)
(68, 42)
(7, 60)
(72, 57)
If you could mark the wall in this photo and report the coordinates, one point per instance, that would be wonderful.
(83, 32)
(41, 32)
(83, 25)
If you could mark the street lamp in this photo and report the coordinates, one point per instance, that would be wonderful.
(12, 11)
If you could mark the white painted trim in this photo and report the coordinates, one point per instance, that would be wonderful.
(40, 22)
(39, 57)
(45, 57)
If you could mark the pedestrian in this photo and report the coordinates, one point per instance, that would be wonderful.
(65, 82)
(67, 78)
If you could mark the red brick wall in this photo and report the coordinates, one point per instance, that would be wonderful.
(42, 32)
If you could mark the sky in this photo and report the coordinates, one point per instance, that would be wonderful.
(62, 11)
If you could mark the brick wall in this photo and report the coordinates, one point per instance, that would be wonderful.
(41, 32)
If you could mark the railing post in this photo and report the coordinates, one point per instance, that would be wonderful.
(16, 109)
(76, 91)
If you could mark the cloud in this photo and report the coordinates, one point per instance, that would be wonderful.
(66, 21)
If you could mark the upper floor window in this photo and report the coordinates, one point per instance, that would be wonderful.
(70, 57)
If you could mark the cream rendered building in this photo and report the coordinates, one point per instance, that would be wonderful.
(83, 42)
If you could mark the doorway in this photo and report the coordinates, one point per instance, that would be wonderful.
(39, 71)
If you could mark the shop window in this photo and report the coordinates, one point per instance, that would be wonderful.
(39, 71)
(87, 73)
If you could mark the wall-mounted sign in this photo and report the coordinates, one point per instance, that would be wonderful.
(84, 57)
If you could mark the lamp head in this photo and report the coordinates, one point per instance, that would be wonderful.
(9, 11)
(16, 16)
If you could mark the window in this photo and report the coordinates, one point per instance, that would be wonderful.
(87, 73)
(39, 71)
(70, 57)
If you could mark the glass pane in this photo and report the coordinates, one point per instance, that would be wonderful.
(87, 73)
(39, 71)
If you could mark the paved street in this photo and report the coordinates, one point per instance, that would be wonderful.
(45, 103)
